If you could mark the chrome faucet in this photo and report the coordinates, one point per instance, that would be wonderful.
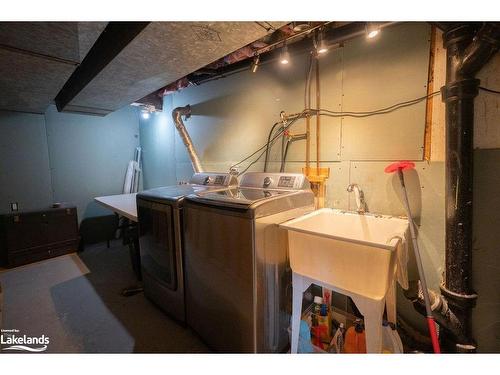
(360, 197)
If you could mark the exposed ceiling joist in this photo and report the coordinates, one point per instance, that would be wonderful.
(162, 53)
(115, 37)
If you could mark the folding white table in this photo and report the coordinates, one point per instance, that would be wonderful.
(122, 204)
(125, 205)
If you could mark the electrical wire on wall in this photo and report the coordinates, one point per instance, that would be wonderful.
(308, 111)
(269, 143)
(307, 104)
(274, 135)
(491, 91)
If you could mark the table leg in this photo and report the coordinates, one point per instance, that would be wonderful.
(131, 235)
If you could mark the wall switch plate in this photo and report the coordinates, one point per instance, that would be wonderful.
(14, 206)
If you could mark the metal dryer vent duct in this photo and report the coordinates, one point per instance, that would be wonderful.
(177, 114)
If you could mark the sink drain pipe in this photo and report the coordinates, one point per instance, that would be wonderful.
(469, 46)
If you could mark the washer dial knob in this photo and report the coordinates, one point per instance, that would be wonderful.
(267, 181)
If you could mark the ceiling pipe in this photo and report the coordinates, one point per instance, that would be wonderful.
(279, 43)
(177, 114)
(332, 36)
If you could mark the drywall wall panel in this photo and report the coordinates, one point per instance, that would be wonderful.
(157, 142)
(487, 107)
(331, 88)
(89, 155)
(378, 73)
(24, 162)
(231, 117)
(485, 260)
(425, 187)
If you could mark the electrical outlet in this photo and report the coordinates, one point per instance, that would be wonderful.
(14, 206)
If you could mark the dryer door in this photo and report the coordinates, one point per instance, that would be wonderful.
(157, 244)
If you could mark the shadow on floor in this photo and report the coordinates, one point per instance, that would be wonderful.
(94, 313)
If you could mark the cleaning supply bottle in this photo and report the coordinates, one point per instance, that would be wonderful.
(305, 345)
(316, 310)
(355, 339)
(316, 330)
(326, 297)
(324, 322)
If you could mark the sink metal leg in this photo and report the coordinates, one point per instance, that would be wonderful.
(298, 284)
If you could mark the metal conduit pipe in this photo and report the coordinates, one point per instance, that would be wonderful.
(177, 114)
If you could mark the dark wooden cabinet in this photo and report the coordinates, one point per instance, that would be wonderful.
(27, 237)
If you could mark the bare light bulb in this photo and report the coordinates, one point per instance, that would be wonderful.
(285, 56)
(322, 47)
(372, 30)
(255, 64)
(145, 115)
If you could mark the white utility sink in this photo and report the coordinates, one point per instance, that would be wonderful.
(354, 252)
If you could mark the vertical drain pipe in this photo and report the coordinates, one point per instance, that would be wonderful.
(458, 95)
(177, 114)
(466, 53)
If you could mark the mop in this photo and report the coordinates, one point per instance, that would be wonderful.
(400, 167)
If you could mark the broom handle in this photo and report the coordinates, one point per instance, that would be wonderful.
(415, 246)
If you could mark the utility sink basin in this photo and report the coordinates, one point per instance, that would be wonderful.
(354, 252)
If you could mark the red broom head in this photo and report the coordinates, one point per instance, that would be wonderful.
(403, 165)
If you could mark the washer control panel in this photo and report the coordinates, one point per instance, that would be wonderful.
(213, 179)
(286, 181)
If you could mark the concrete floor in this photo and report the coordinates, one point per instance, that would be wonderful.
(75, 300)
